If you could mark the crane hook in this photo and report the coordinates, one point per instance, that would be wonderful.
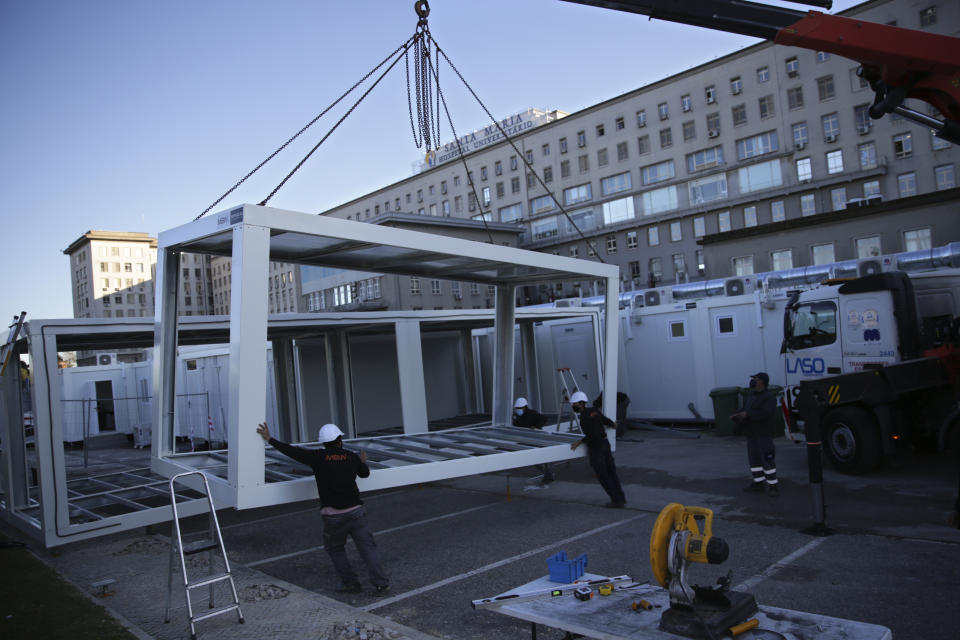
(422, 8)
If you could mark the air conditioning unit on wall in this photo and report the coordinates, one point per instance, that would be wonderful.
(871, 266)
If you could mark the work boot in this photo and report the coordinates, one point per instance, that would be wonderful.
(772, 490)
(350, 588)
(753, 487)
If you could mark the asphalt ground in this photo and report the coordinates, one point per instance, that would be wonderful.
(893, 561)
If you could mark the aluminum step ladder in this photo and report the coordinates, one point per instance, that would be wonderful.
(179, 549)
(568, 386)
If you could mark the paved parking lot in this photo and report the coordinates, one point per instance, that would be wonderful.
(892, 562)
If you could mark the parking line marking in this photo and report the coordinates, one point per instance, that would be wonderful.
(779, 565)
(377, 533)
(494, 565)
(295, 513)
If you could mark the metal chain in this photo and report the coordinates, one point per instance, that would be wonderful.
(305, 127)
(566, 214)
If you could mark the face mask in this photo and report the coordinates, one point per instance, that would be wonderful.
(577, 408)
(518, 411)
(753, 383)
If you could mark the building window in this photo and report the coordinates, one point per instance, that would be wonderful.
(917, 240)
(757, 145)
(736, 85)
(795, 98)
(511, 213)
(618, 123)
(928, 16)
(622, 151)
(868, 247)
(800, 136)
(529, 156)
(686, 104)
(838, 198)
(825, 88)
(723, 221)
(653, 236)
(643, 145)
(743, 266)
(600, 130)
(902, 145)
(831, 127)
(945, 177)
(500, 190)
(458, 204)
(792, 65)
(514, 185)
(867, 152)
(541, 204)
(701, 264)
(766, 107)
(710, 94)
(763, 74)
(861, 118)
(513, 167)
(433, 207)
(666, 138)
(699, 227)
(780, 260)
(777, 212)
(563, 145)
(835, 161)
(435, 287)
(574, 251)
(679, 263)
(713, 125)
(581, 138)
(655, 269)
(750, 216)
(739, 115)
(659, 172)
(822, 253)
(564, 168)
(642, 118)
(531, 180)
(808, 204)
(689, 130)
(446, 208)
(615, 184)
(871, 188)
(618, 210)
(704, 159)
(611, 244)
(545, 149)
(907, 184)
(635, 270)
(602, 160)
(548, 174)
(419, 195)
(484, 195)
(415, 286)
(574, 195)
(497, 169)
(632, 240)
(583, 163)
(663, 110)
(676, 232)
(708, 189)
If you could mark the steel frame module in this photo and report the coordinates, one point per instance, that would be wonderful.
(253, 236)
(63, 509)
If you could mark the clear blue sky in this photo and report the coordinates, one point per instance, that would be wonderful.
(135, 115)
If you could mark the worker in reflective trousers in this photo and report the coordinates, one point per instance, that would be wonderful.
(526, 416)
(756, 419)
(336, 470)
(594, 426)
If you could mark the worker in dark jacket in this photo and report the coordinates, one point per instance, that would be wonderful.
(336, 471)
(756, 420)
(526, 416)
(594, 426)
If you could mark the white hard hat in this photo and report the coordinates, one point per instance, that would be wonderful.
(329, 432)
(578, 396)
(521, 402)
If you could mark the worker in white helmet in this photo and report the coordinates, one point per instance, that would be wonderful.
(336, 471)
(526, 416)
(594, 426)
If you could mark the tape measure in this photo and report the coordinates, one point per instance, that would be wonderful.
(605, 589)
(583, 593)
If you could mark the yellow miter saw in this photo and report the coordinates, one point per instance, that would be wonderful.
(695, 611)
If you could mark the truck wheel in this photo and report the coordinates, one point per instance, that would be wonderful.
(852, 440)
